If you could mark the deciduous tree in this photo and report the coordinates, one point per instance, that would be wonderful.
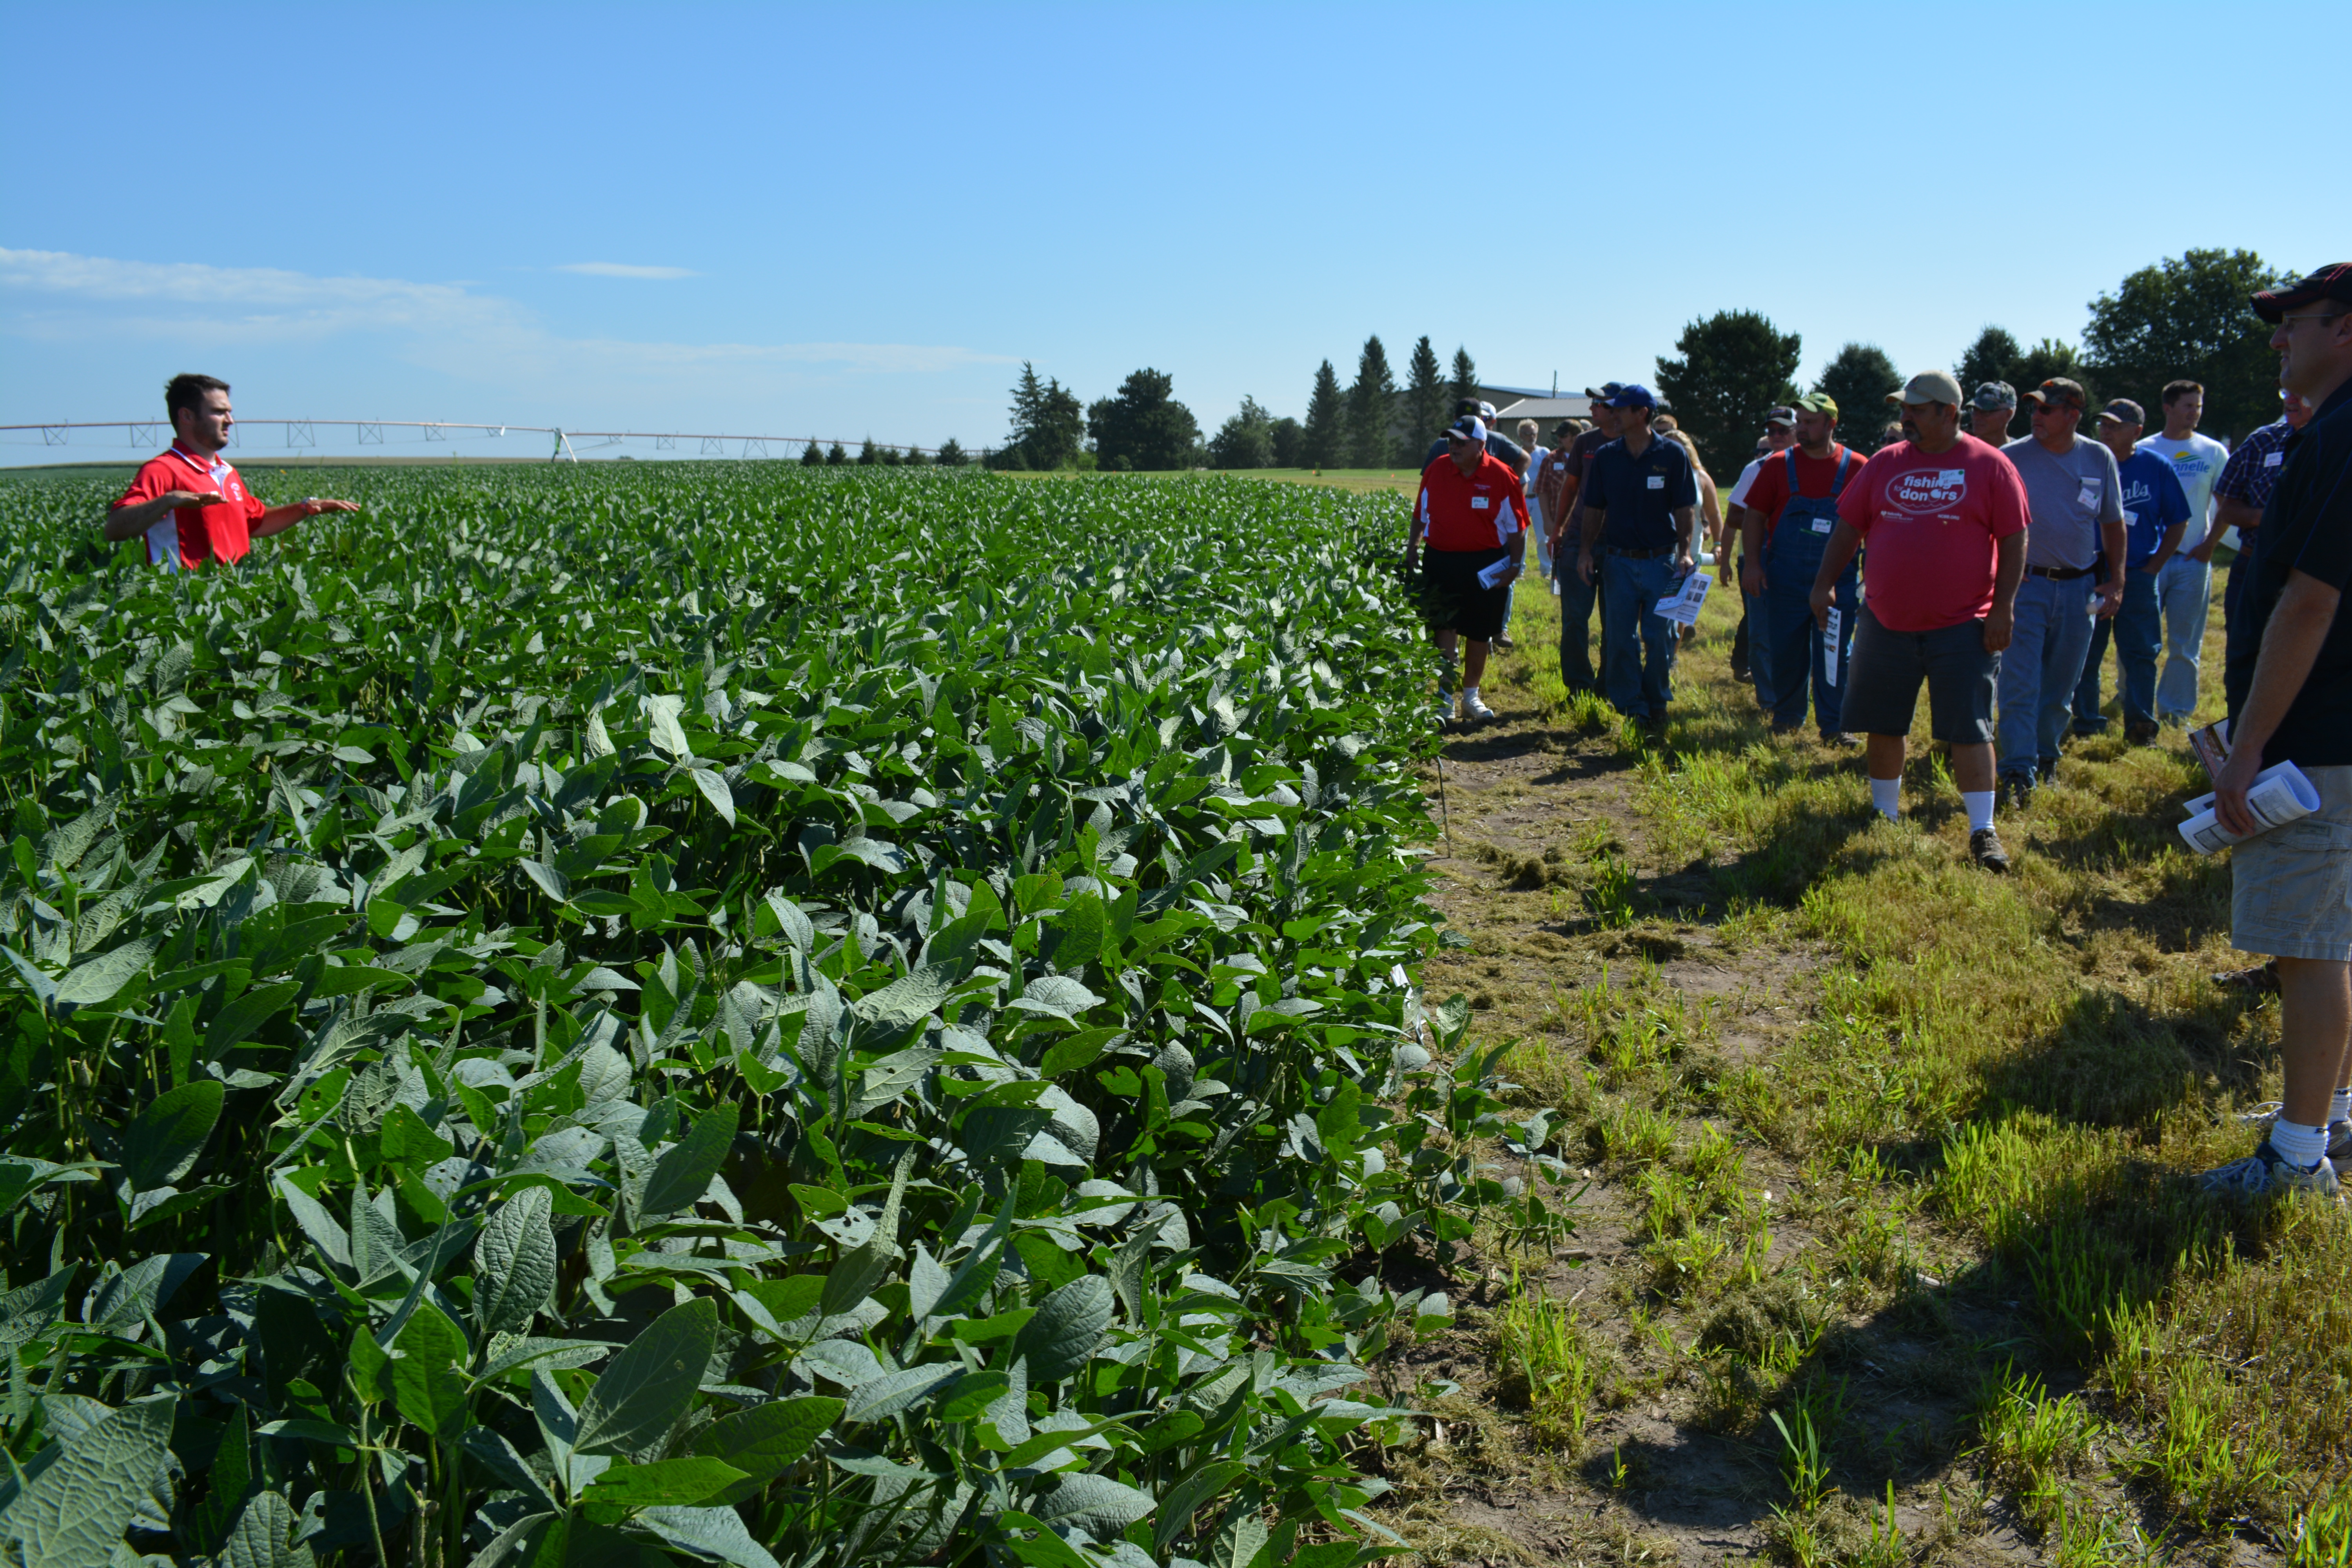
(1734, 365)
(2190, 317)
(1289, 438)
(1144, 427)
(1245, 440)
(1858, 380)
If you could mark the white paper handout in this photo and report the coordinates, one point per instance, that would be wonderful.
(1829, 647)
(1683, 608)
(2279, 796)
(1492, 576)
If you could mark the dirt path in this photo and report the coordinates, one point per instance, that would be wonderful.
(1547, 869)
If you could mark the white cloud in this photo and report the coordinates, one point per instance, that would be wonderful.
(479, 338)
(622, 269)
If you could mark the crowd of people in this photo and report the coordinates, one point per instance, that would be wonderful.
(1996, 572)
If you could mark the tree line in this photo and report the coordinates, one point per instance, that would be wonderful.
(1373, 423)
(2184, 317)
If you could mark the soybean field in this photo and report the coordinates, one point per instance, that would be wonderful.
(717, 1014)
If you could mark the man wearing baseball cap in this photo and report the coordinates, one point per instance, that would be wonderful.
(1502, 446)
(1790, 512)
(1639, 504)
(1991, 410)
(2076, 502)
(1779, 430)
(1578, 595)
(2184, 589)
(2156, 514)
(1475, 513)
(1944, 515)
(2289, 682)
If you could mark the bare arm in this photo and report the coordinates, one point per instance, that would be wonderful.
(130, 521)
(1843, 542)
(1686, 524)
(2008, 571)
(2228, 514)
(279, 519)
(2111, 592)
(1750, 523)
(2291, 642)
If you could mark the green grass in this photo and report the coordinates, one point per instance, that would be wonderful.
(1981, 1105)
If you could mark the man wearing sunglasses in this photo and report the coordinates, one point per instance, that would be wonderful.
(2076, 497)
(2289, 682)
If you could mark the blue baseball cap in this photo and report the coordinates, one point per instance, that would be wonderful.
(1632, 395)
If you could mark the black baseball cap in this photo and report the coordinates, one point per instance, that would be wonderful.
(2332, 283)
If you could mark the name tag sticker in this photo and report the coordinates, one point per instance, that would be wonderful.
(2131, 518)
(1657, 482)
(2271, 460)
(2089, 494)
(1820, 525)
(1952, 476)
(1477, 503)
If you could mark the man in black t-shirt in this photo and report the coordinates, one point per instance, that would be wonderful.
(2289, 683)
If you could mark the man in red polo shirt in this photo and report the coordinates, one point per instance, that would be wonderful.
(1474, 511)
(192, 506)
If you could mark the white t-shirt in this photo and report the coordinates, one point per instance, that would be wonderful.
(1747, 477)
(2198, 461)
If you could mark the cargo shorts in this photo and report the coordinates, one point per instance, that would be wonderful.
(2291, 889)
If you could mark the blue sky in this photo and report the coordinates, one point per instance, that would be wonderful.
(854, 221)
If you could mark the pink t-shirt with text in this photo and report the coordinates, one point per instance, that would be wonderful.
(1931, 520)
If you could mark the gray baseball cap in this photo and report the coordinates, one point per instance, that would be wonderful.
(2124, 411)
(1992, 395)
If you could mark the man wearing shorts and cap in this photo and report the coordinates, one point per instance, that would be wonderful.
(1475, 515)
(1944, 515)
(2078, 519)
(2289, 681)
(1577, 595)
(1991, 410)
(2155, 515)
(1779, 430)
(1639, 508)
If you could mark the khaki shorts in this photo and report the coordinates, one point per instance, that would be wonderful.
(2291, 889)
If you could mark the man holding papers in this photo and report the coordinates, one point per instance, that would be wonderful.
(1474, 512)
(2289, 681)
(1640, 502)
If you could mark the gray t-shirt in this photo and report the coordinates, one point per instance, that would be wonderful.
(2070, 495)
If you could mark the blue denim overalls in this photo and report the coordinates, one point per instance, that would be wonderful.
(1792, 559)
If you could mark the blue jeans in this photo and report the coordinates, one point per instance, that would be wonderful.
(2184, 590)
(2041, 668)
(2135, 630)
(1789, 656)
(1576, 599)
(1637, 643)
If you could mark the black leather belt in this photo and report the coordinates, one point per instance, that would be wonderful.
(2060, 574)
(1643, 554)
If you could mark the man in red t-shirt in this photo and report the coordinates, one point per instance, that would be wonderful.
(1785, 527)
(192, 506)
(1944, 515)
(1474, 511)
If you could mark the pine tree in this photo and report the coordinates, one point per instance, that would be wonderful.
(812, 455)
(1424, 399)
(867, 456)
(1734, 365)
(1858, 381)
(1325, 437)
(1465, 377)
(951, 456)
(1372, 408)
(835, 456)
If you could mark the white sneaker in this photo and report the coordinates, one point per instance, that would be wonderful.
(2263, 1173)
(1475, 709)
(2339, 1134)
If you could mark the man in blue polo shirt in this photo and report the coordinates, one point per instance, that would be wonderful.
(1639, 506)
(2155, 515)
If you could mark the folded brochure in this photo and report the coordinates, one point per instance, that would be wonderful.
(2279, 796)
(1492, 576)
(1683, 608)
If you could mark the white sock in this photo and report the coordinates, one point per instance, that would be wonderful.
(2340, 1107)
(1978, 803)
(2299, 1145)
(1469, 694)
(1886, 795)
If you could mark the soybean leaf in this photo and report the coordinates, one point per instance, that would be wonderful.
(683, 1173)
(165, 1138)
(650, 1385)
(76, 1509)
(1068, 1328)
(713, 786)
(88, 984)
(765, 1440)
(675, 1482)
(515, 1263)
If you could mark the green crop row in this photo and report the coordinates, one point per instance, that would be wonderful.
(608, 1016)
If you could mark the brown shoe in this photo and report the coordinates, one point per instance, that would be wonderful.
(2141, 732)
